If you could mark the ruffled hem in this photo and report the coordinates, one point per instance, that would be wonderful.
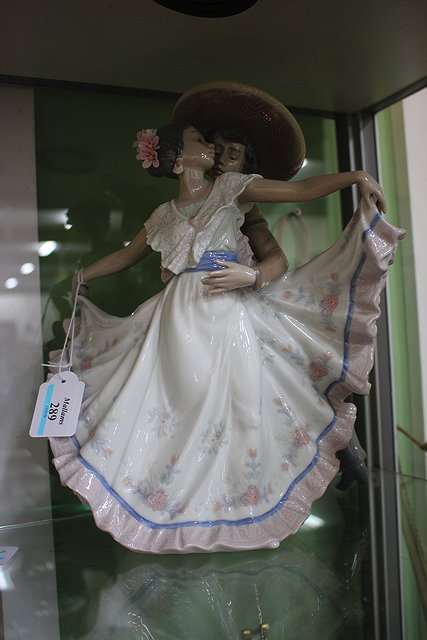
(112, 517)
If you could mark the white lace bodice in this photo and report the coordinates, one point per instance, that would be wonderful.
(181, 240)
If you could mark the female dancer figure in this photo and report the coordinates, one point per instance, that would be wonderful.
(211, 421)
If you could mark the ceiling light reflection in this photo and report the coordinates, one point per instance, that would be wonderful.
(27, 268)
(11, 283)
(6, 583)
(46, 248)
(314, 522)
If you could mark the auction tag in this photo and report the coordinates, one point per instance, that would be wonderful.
(6, 553)
(58, 406)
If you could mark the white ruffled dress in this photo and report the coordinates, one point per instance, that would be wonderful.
(211, 423)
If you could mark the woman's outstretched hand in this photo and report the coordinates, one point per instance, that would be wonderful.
(369, 188)
(234, 276)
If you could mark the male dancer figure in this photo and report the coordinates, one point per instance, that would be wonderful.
(234, 152)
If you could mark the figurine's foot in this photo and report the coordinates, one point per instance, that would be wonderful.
(352, 476)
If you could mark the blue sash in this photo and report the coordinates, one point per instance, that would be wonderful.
(208, 260)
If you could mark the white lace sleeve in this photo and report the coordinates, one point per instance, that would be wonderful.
(233, 185)
(155, 223)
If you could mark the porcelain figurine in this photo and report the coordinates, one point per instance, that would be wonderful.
(213, 413)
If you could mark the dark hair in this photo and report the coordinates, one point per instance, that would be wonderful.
(234, 134)
(170, 148)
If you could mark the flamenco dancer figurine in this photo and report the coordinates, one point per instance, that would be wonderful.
(213, 413)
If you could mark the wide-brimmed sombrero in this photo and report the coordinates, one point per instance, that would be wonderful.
(274, 132)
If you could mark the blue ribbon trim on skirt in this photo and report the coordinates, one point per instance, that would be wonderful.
(208, 260)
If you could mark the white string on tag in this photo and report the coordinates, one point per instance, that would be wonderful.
(59, 400)
(71, 330)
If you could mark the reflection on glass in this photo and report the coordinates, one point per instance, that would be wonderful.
(218, 596)
(11, 283)
(120, 594)
(27, 268)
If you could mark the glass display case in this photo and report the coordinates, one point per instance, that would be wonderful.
(76, 193)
